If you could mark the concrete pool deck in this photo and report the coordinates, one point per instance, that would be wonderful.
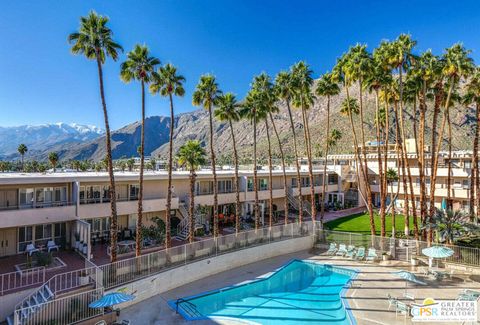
(367, 296)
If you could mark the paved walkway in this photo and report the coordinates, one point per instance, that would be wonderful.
(367, 297)
(332, 215)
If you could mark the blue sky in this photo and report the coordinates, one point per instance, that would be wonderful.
(41, 82)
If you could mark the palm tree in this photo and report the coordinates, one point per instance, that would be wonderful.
(228, 111)
(94, 41)
(167, 83)
(206, 94)
(192, 156)
(344, 73)
(456, 65)
(53, 159)
(327, 87)
(284, 88)
(303, 98)
(472, 96)
(139, 66)
(22, 150)
(392, 177)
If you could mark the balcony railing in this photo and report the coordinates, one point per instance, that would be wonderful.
(37, 205)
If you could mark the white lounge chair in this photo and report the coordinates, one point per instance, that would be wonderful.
(332, 249)
(31, 249)
(342, 250)
(372, 255)
(51, 246)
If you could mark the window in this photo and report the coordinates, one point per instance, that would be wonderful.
(294, 182)
(106, 193)
(134, 189)
(467, 164)
(26, 197)
(25, 236)
(225, 186)
(305, 181)
(43, 233)
(60, 194)
(205, 187)
(332, 179)
(263, 184)
(82, 194)
(466, 184)
(250, 184)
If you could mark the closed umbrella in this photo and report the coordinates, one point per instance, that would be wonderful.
(408, 277)
(437, 252)
(111, 299)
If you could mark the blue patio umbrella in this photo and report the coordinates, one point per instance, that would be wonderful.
(444, 204)
(408, 277)
(110, 299)
(437, 252)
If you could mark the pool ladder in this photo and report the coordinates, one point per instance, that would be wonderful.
(191, 310)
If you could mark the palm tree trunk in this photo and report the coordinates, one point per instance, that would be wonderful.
(421, 160)
(270, 177)
(385, 151)
(255, 180)
(324, 180)
(113, 196)
(215, 192)
(412, 193)
(400, 157)
(475, 161)
(310, 168)
(299, 179)
(168, 239)
(191, 207)
(380, 166)
(282, 155)
(362, 170)
(237, 185)
(393, 210)
(449, 175)
(138, 237)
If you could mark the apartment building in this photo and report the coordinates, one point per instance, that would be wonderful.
(37, 208)
(461, 167)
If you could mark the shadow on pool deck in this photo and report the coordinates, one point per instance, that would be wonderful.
(367, 296)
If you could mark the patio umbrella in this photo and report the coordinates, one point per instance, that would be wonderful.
(110, 299)
(408, 277)
(437, 252)
(444, 204)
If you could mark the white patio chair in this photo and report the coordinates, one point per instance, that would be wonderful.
(51, 246)
(31, 249)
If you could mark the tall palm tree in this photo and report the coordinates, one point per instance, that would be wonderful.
(53, 159)
(228, 111)
(392, 177)
(192, 156)
(326, 87)
(94, 41)
(343, 73)
(22, 150)
(284, 88)
(167, 82)
(456, 65)
(206, 94)
(303, 98)
(472, 96)
(139, 66)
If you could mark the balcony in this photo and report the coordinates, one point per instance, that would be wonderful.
(124, 206)
(37, 213)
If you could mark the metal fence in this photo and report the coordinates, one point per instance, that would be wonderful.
(68, 310)
(14, 281)
(398, 248)
(128, 270)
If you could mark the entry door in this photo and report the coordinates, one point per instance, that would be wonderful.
(8, 242)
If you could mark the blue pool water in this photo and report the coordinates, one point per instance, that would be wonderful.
(300, 292)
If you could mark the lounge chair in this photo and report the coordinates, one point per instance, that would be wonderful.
(332, 249)
(51, 246)
(342, 250)
(360, 253)
(31, 249)
(391, 301)
(350, 251)
(402, 308)
(372, 255)
(469, 295)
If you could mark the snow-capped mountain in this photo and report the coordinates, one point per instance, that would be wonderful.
(41, 137)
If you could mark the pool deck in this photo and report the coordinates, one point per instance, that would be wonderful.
(367, 296)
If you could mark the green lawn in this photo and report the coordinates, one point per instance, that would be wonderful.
(360, 223)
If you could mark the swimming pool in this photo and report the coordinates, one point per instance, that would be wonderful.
(300, 292)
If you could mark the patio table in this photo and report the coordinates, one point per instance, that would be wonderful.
(128, 244)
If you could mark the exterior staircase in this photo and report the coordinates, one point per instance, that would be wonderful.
(183, 229)
(307, 206)
(31, 304)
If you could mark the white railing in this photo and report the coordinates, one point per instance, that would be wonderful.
(132, 269)
(68, 310)
(15, 281)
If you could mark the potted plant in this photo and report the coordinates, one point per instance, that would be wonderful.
(414, 261)
(84, 249)
(83, 278)
(386, 256)
(77, 241)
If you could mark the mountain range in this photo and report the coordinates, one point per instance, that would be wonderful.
(73, 141)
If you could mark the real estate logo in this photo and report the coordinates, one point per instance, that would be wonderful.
(444, 311)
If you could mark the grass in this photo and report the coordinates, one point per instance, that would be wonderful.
(360, 223)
